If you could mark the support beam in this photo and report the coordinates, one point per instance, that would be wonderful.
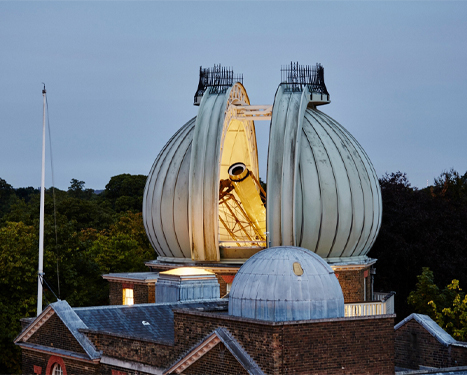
(253, 112)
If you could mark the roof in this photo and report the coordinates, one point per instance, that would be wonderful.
(461, 370)
(286, 284)
(210, 341)
(133, 276)
(431, 326)
(69, 318)
(153, 322)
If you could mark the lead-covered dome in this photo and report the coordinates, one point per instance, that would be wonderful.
(286, 283)
(323, 193)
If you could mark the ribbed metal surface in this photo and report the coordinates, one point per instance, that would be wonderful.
(165, 200)
(323, 192)
(204, 177)
(267, 288)
(181, 197)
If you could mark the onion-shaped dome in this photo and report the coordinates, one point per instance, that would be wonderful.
(286, 283)
(323, 192)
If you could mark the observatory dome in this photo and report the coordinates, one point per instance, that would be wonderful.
(322, 193)
(286, 283)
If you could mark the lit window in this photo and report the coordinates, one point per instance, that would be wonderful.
(57, 370)
(128, 296)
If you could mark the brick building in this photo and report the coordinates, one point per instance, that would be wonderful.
(209, 337)
(420, 342)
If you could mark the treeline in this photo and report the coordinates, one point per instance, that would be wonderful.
(85, 235)
(89, 234)
(421, 228)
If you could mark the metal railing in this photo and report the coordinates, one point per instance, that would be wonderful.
(384, 306)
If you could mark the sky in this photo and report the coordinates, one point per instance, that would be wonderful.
(120, 79)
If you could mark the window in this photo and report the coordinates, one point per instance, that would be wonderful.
(128, 296)
(57, 370)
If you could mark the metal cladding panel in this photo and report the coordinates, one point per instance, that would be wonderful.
(176, 289)
(288, 168)
(348, 186)
(165, 199)
(204, 180)
(323, 192)
(267, 288)
(274, 170)
(375, 213)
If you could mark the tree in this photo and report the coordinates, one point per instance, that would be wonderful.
(448, 307)
(18, 283)
(6, 192)
(77, 190)
(420, 228)
(125, 192)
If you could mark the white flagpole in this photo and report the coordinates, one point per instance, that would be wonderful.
(40, 272)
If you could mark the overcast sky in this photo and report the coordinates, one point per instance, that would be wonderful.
(120, 78)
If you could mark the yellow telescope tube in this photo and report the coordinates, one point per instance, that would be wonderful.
(246, 190)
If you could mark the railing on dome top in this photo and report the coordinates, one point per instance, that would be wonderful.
(296, 77)
(217, 78)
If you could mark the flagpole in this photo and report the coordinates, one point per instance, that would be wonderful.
(40, 272)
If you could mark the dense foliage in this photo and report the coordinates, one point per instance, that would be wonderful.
(421, 228)
(448, 307)
(90, 234)
(86, 235)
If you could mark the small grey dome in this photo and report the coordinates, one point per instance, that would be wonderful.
(286, 283)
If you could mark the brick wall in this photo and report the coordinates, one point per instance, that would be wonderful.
(73, 367)
(222, 285)
(115, 293)
(222, 282)
(255, 338)
(53, 333)
(146, 352)
(343, 346)
(458, 355)
(360, 345)
(151, 293)
(142, 293)
(415, 346)
(352, 284)
(218, 360)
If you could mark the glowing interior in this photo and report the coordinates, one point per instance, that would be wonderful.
(235, 231)
(187, 271)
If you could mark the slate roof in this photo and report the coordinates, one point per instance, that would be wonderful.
(69, 318)
(132, 276)
(444, 371)
(74, 323)
(431, 326)
(152, 322)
